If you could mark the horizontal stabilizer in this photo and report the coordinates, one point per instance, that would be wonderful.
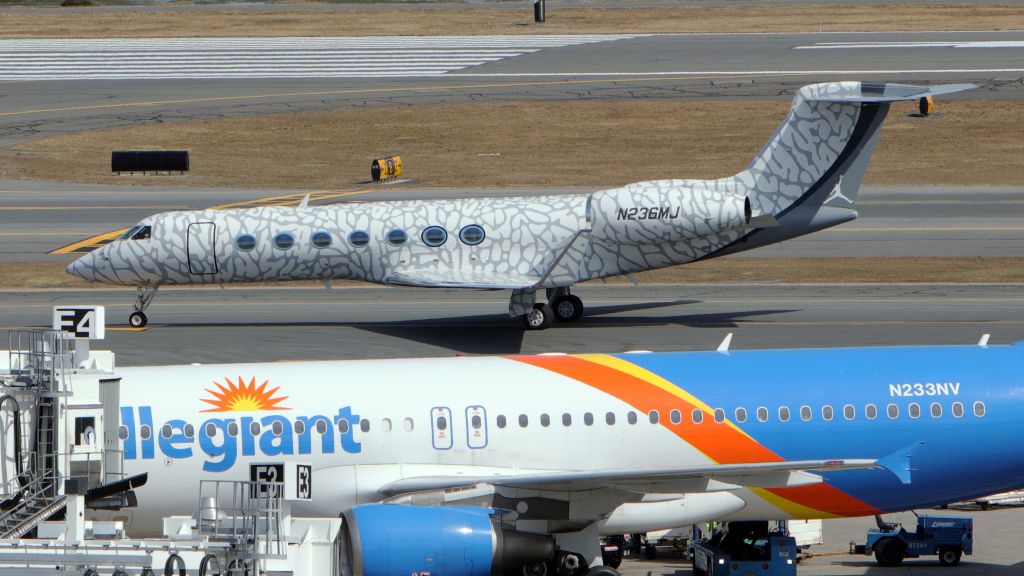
(654, 480)
(876, 92)
(446, 278)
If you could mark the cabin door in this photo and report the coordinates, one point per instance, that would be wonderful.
(202, 253)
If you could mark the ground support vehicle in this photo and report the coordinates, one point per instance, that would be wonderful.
(747, 549)
(948, 537)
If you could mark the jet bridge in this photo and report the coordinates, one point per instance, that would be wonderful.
(61, 469)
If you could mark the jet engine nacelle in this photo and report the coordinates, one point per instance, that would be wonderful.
(664, 211)
(399, 540)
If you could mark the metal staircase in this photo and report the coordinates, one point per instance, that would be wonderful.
(40, 362)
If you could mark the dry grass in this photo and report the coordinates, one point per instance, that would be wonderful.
(729, 270)
(462, 19)
(599, 143)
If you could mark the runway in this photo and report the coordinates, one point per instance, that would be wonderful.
(292, 323)
(37, 218)
(665, 66)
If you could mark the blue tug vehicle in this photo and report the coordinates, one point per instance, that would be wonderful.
(948, 537)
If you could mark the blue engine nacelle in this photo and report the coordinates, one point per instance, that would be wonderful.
(402, 540)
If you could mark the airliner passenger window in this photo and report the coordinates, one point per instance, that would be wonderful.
(476, 422)
(524, 421)
(719, 415)
(631, 417)
(958, 409)
(166, 431)
(979, 409)
(434, 236)
(609, 418)
(284, 241)
(233, 429)
(321, 239)
(545, 420)
(385, 424)
(675, 417)
(364, 425)
(784, 413)
(936, 409)
(321, 427)
(245, 242)
(566, 419)
(849, 412)
(442, 423)
(871, 412)
(145, 431)
(805, 413)
(408, 424)
(300, 427)
(654, 417)
(762, 414)
(190, 431)
(471, 235)
(588, 418)
(741, 415)
(502, 422)
(892, 411)
(122, 432)
(397, 236)
(359, 238)
(826, 412)
(914, 410)
(697, 416)
(343, 426)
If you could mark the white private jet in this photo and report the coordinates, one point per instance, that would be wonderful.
(806, 178)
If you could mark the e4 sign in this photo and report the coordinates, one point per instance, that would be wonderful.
(82, 321)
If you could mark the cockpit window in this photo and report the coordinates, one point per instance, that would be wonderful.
(143, 233)
(129, 233)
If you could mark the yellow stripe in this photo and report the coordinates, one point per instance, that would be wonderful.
(94, 242)
(655, 380)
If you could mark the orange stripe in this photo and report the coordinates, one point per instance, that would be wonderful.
(723, 443)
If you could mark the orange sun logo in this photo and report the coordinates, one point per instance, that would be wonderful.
(242, 397)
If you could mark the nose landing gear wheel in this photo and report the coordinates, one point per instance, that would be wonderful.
(137, 320)
(539, 318)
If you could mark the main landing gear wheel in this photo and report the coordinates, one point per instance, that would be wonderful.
(138, 320)
(539, 318)
(603, 571)
(567, 308)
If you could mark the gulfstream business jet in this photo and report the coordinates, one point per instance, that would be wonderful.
(806, 178)
(475, 465)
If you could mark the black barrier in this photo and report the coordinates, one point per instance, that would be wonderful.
(149, 161)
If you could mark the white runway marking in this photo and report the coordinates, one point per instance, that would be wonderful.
(888, 45)
(390, 56)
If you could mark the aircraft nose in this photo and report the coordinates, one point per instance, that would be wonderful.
(84, 268)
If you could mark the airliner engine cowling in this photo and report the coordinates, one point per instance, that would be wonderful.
(664, 211)
(398, 540)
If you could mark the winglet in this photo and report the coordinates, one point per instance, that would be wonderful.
(899, 462)
(724, 346)
(983, 342)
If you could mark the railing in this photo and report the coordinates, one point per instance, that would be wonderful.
(41, 359)
(249, 514)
